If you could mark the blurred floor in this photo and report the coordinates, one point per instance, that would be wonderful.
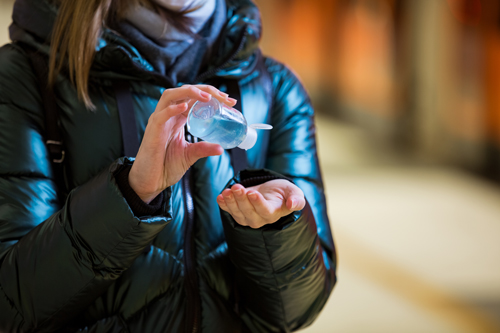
(418, 245)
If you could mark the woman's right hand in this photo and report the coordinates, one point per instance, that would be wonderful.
(164, 155)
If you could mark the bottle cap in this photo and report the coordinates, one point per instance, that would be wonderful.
(261, 126)
(250, 139)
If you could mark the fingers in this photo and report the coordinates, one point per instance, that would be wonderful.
(198, 150)
(191, 93)
(295, 203)
(178, 101)
(184, 93)
(235, 202)
(228, 203)
(231, 206)
(219, 95)
(244, 206)
(222, 203)
(158, 118)
(294, 198)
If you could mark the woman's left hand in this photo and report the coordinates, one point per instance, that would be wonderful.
(263, 204)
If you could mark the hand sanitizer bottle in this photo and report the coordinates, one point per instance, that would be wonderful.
(218, 123)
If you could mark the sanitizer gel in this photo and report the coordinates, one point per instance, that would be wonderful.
(218, 123)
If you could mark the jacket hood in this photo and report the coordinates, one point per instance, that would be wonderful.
(32, 17)
(235, 53)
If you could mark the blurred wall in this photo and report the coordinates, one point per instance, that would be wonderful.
(420, 75)
(5, 19)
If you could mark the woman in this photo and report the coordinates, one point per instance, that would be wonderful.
(144, 245)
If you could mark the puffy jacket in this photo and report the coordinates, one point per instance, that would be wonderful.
(90, 264)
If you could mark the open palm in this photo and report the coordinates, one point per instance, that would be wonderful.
(262, 204)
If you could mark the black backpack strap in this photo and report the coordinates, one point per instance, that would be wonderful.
(125, 106)
(239, 160)
(53, 137)
(267, 84)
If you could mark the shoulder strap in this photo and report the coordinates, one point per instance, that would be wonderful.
(125, 105)
(53, 137)
(267, 84)
(239, 159)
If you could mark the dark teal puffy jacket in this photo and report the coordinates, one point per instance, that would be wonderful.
(88, 265)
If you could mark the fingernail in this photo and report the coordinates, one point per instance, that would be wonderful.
(238, 192)
(252, 195)
(229, 197)
(223, 94)
(181, 106)
(294, 203)
(205, 95)
(232, 100)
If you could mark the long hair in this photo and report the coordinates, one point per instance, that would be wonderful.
(77, 29)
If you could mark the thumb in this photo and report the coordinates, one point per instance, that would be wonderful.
(295, 199)
(198, 150)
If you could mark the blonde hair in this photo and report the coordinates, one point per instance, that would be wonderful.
(77, 29)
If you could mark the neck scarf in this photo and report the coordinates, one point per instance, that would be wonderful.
(171, 52)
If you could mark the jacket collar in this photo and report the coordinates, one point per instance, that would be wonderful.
(234, 56)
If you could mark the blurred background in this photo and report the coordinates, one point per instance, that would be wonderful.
(407, 94)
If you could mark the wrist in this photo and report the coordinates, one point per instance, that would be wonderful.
(138, 205)
(135, 184)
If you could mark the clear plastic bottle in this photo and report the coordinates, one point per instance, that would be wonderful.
(218, 123)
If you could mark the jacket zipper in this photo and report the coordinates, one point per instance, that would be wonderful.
(191, 288)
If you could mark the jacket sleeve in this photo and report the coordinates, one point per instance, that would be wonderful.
(54, 260)
(286, 271)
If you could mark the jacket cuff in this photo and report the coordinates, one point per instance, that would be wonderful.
(295, 231)
(250, 177)
(104, 221)
(136, 204)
